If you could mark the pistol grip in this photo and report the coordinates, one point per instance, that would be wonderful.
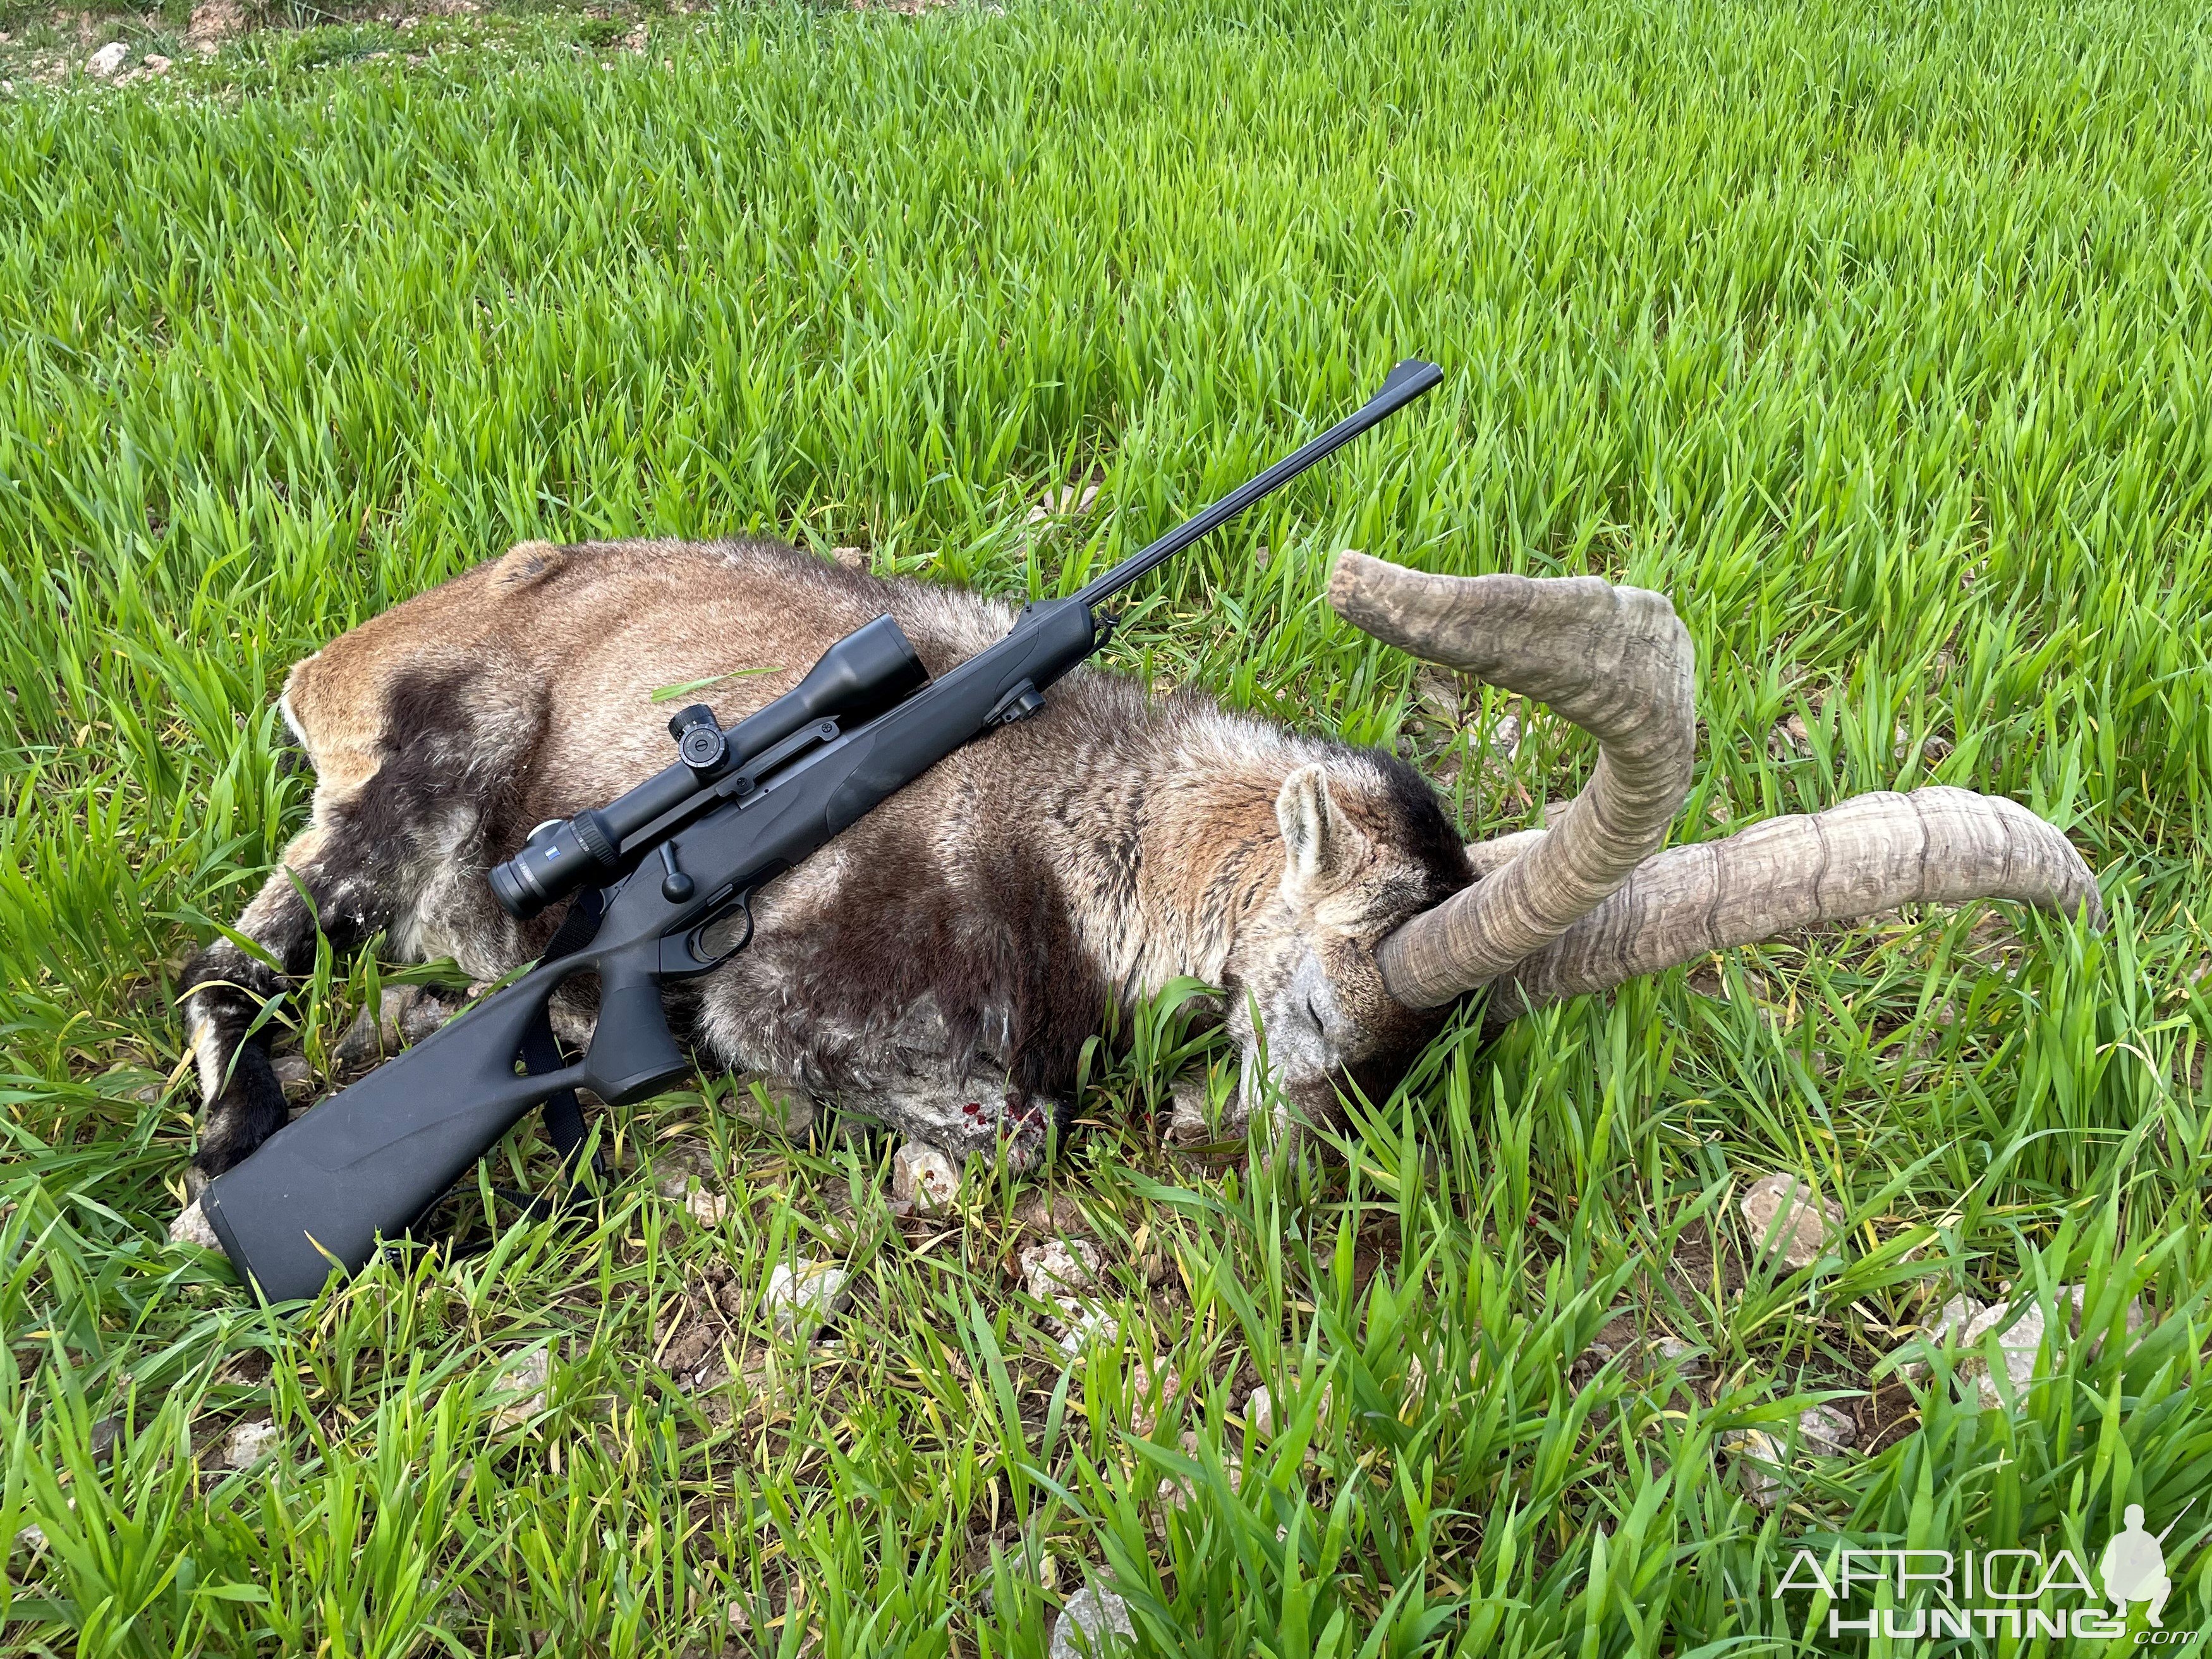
(632, 1052)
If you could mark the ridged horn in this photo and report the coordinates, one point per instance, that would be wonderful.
(1615, 661)
(1870, 854)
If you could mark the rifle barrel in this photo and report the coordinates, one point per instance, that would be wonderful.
(1407, 381)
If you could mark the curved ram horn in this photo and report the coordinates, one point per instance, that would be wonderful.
(1615, 661)
(1871, 854)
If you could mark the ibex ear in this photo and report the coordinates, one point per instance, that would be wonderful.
(1321, 846)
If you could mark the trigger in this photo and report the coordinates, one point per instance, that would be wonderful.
(722, 936)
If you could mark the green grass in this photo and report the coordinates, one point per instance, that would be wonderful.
(1877, 335)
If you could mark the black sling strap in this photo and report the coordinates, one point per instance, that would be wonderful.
(564, 1115)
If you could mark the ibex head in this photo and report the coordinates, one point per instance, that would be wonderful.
(1371, 940)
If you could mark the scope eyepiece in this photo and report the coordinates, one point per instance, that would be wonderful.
(559, 857)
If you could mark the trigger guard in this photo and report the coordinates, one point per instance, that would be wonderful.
(690, 953)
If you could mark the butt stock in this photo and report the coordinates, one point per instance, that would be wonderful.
(364, 1164)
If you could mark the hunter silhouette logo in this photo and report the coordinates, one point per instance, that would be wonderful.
(2020, 1593)
(2133, 1567)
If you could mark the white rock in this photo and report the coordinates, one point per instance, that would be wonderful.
(708, 1208)
(405, 1014)
(293, 1076)
(108, 59)
(1260, 1411)
(1189, 1098)
(1785, 1219)
(1065, 501)
(1826, 1431)
(1082, 1323)
(1760, 1458)
(2020, 1337)
(520, 1392)
(1060, 1265)
(1950, 1321)
(1094, 1621)
(801, 1297)
(1437, 695)
(924, 1176)
(772, 1102)
(247, 1444)
(191, 1226)
(1952, 1317)
(213, 20)
(1152, 1393)
(1686, 1358)
(2020, 1328)
(686, 1177)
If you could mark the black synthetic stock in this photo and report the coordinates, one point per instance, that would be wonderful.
(366, 1161)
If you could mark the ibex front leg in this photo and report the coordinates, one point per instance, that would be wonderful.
(228, 991)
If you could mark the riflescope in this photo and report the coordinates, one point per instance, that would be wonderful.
(865, 672)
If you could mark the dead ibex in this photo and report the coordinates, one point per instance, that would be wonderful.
(940, 964)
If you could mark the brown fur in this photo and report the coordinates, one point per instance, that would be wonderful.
(941, 963)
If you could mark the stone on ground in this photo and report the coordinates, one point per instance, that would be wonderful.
(1685, 1357)
(108, 59)
(214, 21)
(1260, 1411)
(1060, 1266)
(1082, 1323)
(293, 1076)
(192, 1227)
(520, 1392)
(1153, 1390)
(803, 1296)
(686, 1177)
(1095, 1621)
(1826, 1431)
(1759, 1460)
(770, 1103)
(2020, 1327)
(247, 1444)
(924, 1176)
(1786, 1219)
(405, 1015)
(1064, 502)
(1948, 1325)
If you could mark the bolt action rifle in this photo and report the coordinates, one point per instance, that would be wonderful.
(663, 879)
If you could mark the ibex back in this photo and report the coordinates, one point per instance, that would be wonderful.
(941, 963)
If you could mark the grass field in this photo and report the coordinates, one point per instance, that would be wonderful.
(1877, 335)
